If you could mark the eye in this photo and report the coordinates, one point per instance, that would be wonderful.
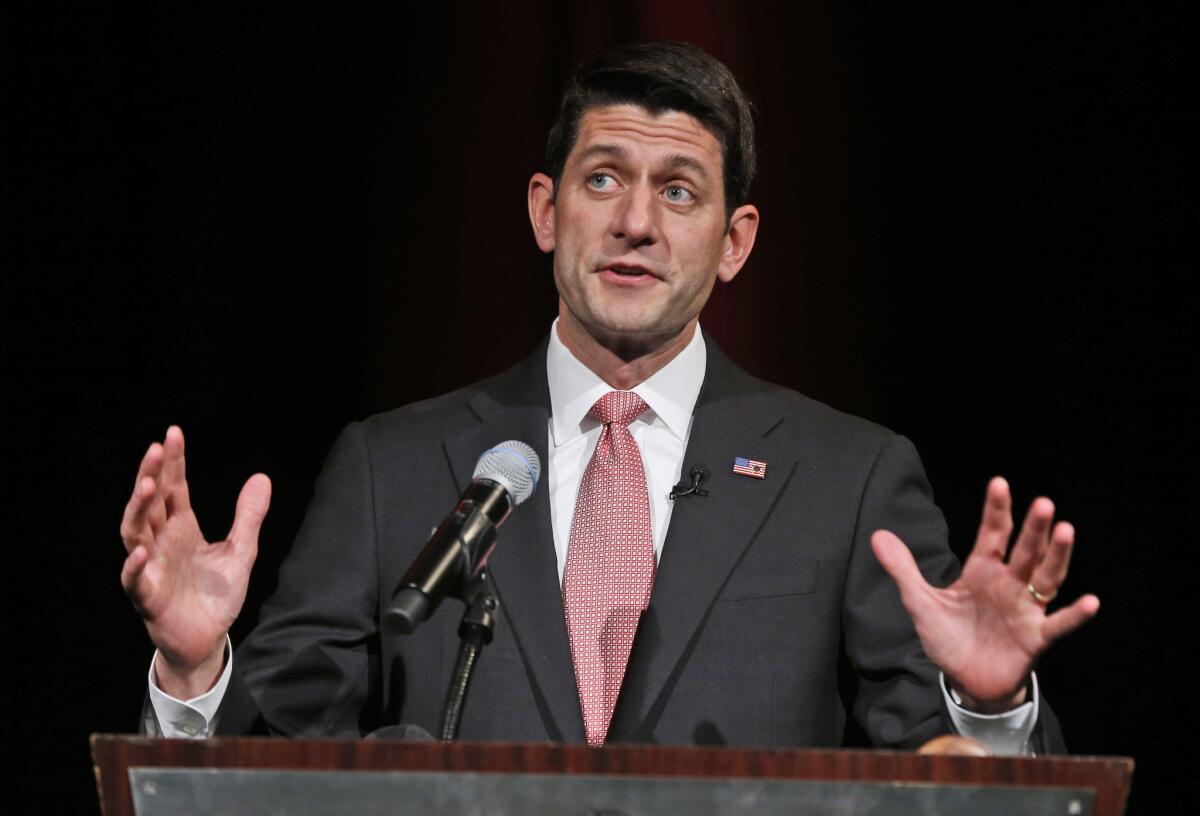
(601, 181)
(679, 195)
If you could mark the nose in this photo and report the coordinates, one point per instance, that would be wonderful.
(636, 218)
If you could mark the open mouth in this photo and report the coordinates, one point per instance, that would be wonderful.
(627, 274)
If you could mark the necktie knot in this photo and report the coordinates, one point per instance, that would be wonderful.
(620, 407)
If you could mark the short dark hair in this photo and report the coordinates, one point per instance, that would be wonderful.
(660, 77)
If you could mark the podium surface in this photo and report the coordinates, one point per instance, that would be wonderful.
(155, 777)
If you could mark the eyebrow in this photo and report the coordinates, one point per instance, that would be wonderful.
(603, 150)
(676, 161)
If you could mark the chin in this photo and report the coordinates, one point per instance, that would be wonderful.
(637, 331)
(631, 326)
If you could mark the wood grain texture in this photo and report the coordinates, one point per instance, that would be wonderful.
(113, 755)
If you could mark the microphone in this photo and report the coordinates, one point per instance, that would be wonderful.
(698, 474)
(504, 477)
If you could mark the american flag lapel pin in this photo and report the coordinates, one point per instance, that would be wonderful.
(749, 467)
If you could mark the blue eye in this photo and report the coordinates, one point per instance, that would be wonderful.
(679, 195)
(600, 181)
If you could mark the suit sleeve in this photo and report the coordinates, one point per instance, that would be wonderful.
(311, 666)
(897, 700)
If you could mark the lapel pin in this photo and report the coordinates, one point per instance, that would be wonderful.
(749, 467)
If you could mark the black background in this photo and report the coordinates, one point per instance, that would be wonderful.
(264, 220)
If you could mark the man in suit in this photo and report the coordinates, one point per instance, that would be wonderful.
(766, 615)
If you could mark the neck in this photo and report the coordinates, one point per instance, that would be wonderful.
(623, 363)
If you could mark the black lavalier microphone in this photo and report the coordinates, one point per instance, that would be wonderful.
(504, 477)
(697, 474)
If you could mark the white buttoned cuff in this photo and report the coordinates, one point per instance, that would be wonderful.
(1005, 734)
(186, 719)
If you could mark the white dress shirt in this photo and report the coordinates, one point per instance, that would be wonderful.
(661, 433)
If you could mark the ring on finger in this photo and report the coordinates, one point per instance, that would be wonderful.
(1042, 598)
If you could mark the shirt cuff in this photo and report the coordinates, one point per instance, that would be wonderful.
(1007, 733)
(188, 719)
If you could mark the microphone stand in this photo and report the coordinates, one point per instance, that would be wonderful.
(475, 631)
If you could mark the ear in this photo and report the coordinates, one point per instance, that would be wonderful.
(739, 240)
(541, 210)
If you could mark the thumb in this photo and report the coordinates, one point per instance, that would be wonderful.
(252, 506)
(895, 557)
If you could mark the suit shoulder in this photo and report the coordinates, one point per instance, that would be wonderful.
(809, 418)
(433, 416)
(450, 413)
(785, 413)
(814, 416)
(846, 449)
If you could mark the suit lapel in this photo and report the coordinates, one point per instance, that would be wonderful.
(523, 567)
(706, 538)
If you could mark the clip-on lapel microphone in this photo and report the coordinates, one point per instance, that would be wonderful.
(698, 474)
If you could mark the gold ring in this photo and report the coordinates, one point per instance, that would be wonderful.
(1039, 597)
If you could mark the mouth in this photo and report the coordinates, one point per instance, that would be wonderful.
(627, 274)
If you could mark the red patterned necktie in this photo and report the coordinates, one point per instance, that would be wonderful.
(610, 562)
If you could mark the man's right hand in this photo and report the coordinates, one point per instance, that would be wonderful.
(187, 590)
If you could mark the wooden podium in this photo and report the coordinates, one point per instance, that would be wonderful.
(153, 777)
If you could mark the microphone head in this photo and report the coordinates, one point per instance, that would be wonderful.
(514, 465)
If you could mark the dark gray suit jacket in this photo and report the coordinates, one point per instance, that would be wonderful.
(771, 622)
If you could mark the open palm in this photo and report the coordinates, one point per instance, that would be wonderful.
(187, 590)
(987, 629)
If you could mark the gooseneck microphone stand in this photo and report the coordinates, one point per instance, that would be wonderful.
(474, 631)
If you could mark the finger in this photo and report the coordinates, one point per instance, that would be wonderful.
(252, 505)
(151, 464)
(151, 468)
(174, 476)
(1033, 540)
(156, 513)
(134, 520)
(131, 571)
(996, 525)
(899, 563)
(135, 528)
(1052, 571)
(1070, 618)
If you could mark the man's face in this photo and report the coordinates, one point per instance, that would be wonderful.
(638, 226)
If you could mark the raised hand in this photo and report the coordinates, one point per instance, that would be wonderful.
(187, 590)
(988, 628)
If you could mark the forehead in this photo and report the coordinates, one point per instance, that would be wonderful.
(633, 127)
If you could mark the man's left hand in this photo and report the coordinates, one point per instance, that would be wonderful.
(988, 628)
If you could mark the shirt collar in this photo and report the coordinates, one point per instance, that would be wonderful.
(670, 393)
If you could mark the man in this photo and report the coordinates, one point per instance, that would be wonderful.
(756, 615)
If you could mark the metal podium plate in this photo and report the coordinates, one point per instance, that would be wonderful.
(191, 791)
